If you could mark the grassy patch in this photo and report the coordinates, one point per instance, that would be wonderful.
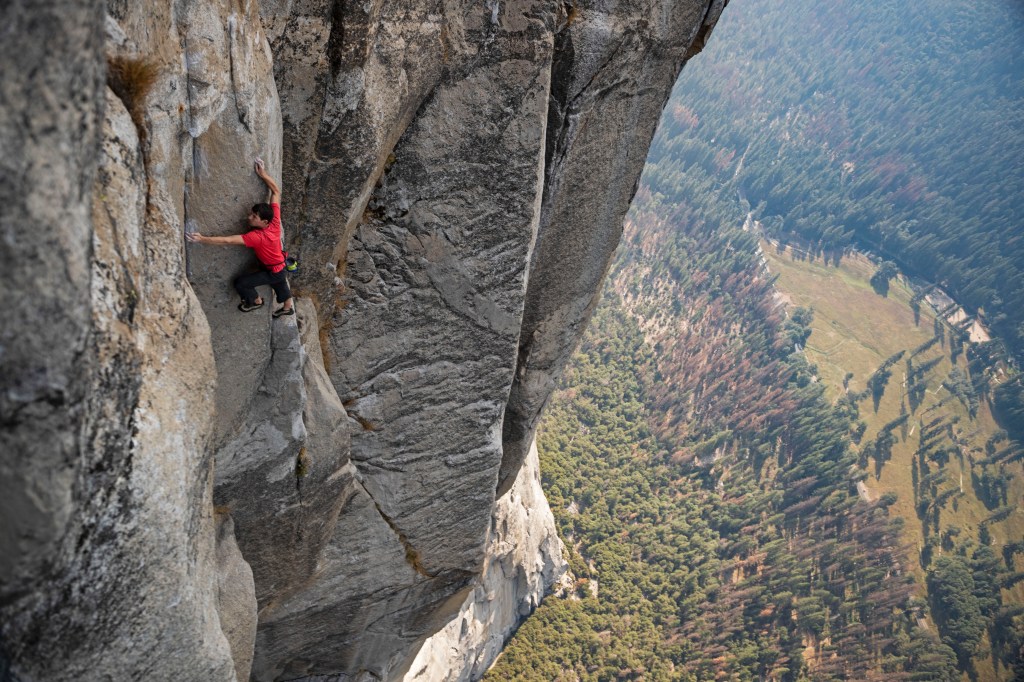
(855, 330)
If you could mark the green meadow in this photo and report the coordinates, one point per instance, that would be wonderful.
(855, 330)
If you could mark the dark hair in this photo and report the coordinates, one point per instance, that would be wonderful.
(263, 211)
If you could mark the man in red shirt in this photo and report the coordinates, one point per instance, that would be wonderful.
(265, 239)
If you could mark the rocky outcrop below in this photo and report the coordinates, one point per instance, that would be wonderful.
(524, 560)
(193, 493)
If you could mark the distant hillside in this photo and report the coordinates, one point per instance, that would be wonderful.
(895, 126)
(706, 486)
(897, 129)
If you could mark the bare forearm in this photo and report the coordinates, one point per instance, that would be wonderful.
(229, 240)
(223, 241)
(271, 185)
(275, 191)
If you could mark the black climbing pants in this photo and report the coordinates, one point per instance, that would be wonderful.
(246, 285)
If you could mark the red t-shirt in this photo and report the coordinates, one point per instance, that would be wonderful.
(266, 242)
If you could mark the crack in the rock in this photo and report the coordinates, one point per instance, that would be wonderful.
(191, 126)
(700, 39)
(412, 555)
(336, 38)
(573, 107)
(233, 43)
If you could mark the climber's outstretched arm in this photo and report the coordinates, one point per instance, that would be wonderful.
(229, 240)
(275, 191)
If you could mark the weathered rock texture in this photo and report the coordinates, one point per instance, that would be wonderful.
(455, 175)
(524, 559)
(108, 568)
(236, 602)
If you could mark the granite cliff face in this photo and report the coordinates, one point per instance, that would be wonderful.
(191, 493)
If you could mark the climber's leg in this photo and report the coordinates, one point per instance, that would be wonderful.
(246, 285)
(283, 293)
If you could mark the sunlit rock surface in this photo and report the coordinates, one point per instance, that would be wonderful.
(524, 560)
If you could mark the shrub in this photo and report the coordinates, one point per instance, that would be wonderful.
(132, 79)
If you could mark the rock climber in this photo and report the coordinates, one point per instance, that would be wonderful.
(265, 239)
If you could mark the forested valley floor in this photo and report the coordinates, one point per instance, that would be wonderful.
(773, 460)
(705, 478)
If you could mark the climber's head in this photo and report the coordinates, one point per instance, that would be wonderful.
(260, 215)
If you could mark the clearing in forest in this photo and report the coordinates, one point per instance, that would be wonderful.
(960, 483)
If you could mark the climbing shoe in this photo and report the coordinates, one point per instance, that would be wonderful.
(248, 307)
(281, 312)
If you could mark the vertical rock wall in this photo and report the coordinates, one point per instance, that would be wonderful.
(108, 540)
(47, 168)
(432, 147)
(455, 174)
(613, 72)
